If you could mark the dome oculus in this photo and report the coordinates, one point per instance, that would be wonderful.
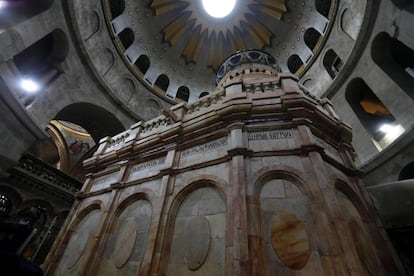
(219, 8)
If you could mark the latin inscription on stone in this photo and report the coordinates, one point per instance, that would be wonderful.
(149, 164)
(270, 135)
(104, 181)
(222, 142)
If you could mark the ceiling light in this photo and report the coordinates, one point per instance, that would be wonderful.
(219, 8)
(29, 85)
(3, 4)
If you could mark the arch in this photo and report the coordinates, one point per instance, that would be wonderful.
(143, 63)
(162, 82)
(294, 63)
(183, 93)
(42, 61)
(117, 7)
(311, 38)
(97, 121)
(127, 37)
(199, 191)
(203, 94)
(323, 7)
(396, 60)
(407, 172)
(352, 196)
(332, 63)
(14, 12)
(350, 23)
(369, 109)
(281, 172)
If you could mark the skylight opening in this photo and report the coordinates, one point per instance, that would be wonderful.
(219, 8)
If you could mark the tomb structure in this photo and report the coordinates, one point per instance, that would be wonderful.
(257, 178)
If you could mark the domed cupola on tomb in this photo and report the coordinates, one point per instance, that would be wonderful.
(255, 178)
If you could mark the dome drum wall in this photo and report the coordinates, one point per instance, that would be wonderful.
(260, 172)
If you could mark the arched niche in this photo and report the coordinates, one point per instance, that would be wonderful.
(126, 242)
(42, 62)
(396, 60)
(83, 231)
(143, 63)
(323, 7)
(284, 216)
(97, 121)
(183, 93)
(203, 94)
(197, 232)
(117, 7)
(162, 82)
(15, 11)
(332, 63)
(407, 172)
(126, 37)
(294, 63)
(369, 109)
(311, 38)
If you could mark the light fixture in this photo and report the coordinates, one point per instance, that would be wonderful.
(386, 128)
(219, 8)
(3, 4)
(29, 85)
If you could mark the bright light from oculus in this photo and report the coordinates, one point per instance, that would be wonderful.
(3, 4)
(386, 128)
(219, 8)
(29, 85)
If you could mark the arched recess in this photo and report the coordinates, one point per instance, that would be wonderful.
(117, 7)
(396, 60)
(407, 5)
(196, 230)
(284, 217)
(372, 113)
(13, 12)
(407, 172)
(162, 82)
(360, 249)
(81, 232)
(127, 239)
(311, 38)
(97, 121)
(42, 62)
(143, 63)
(203, 94)
(332, 63)
(323, 7)
(126, 37)
(294, 63)
(183, 93)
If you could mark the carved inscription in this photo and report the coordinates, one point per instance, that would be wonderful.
(149, 164)
(106, 179)
(270, 135)
(222, 142)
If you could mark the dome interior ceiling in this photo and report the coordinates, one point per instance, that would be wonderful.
(183, 42)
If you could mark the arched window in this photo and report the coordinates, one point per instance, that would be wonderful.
(117, 7)
(407, 172)
(127, 37)
(294, 63)
(311, 38)
(143, 63)
(41, 62)
(183, 93)
(372, 113)
(162, 82)
(203, 94)
(323, 6)
(332, 63)
(12, 11)
(396, 60)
